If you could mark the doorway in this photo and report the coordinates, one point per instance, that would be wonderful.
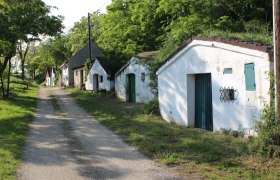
(95, 83)
(81, 78)
(203, 102)
(130, 89)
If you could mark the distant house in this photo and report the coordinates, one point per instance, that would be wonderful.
(214, 83)
(101, 76)
(76, 65)
(50, 76)
(132, 80)
(16, 67)
(64, 74)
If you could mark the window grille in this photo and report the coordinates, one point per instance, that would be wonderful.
(228, 94)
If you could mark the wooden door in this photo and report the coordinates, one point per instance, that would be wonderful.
(131, 88)
(203, 102)
(95, 82)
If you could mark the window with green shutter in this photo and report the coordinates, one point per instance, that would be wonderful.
(250, 77)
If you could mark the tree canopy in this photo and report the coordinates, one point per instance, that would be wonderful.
(24, 21)
(133, 26)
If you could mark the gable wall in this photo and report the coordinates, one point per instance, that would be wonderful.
(98, 69)
(65, 75)
(77, 77)
(143, 91)
(176, 82)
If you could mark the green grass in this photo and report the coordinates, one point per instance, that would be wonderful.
(15, 115)
(192, 151)
(249, 37)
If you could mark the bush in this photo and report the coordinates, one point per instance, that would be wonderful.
(268, 142)
(152, 107)
(257, 26)
(17, 80)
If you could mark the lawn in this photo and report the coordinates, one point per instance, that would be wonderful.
(192, 152)
(15, 115)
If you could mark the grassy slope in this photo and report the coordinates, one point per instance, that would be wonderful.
(15, 115)
(193, 151)
(249, 37)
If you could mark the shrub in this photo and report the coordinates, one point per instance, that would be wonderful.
(257, 26)
(152, 107)
(268, 142)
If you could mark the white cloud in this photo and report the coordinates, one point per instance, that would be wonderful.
(74, 10)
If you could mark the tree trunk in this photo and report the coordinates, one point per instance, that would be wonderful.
(9, 75)
(4, 65)
(34, 73)
(2, 87)
(22, 69)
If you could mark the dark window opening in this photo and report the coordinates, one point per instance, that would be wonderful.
(101, 79)
(143, 77)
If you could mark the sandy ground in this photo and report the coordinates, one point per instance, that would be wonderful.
(71, 144)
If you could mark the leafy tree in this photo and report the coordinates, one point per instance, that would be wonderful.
(77, 37)
(23, 21)
(36, 22)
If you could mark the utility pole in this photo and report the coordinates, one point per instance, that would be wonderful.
(276, 34)
(89, 37)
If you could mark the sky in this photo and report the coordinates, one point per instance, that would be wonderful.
(74, 10)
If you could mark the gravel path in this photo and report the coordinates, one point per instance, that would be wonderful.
(73, 145)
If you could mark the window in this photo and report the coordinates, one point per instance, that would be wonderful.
(101, 79)
(143, 77)
(228, 71)
(250, 77)
(228, 94)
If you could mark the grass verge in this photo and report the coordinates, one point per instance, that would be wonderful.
(15, 115)
(193, 152)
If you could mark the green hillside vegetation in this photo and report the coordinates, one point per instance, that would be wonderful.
(132, 27)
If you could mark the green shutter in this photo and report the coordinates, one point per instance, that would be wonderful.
(250, 77)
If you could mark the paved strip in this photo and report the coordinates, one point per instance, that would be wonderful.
(47, 154)
(74, 145)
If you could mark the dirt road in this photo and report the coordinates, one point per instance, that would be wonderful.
(70, 144)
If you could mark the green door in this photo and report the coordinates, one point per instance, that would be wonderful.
(131, 88)
(203, 102)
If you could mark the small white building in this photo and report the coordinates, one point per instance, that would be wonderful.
(79, 77)
(100, 76)
(50, 76)
(64, 74)
(215, 83)
(73, 72)
(132, 80)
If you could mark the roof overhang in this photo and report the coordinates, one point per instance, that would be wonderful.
(259, 49)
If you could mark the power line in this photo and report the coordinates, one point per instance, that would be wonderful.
(102, 5)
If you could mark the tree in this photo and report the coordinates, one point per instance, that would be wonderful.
(78, 35)
(36, 22)
(24, 21)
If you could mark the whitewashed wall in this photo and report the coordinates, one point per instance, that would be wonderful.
(77, 77)
(50, 81)
(143, 91)
(65, 75)
(98, 69)
(176, 84)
